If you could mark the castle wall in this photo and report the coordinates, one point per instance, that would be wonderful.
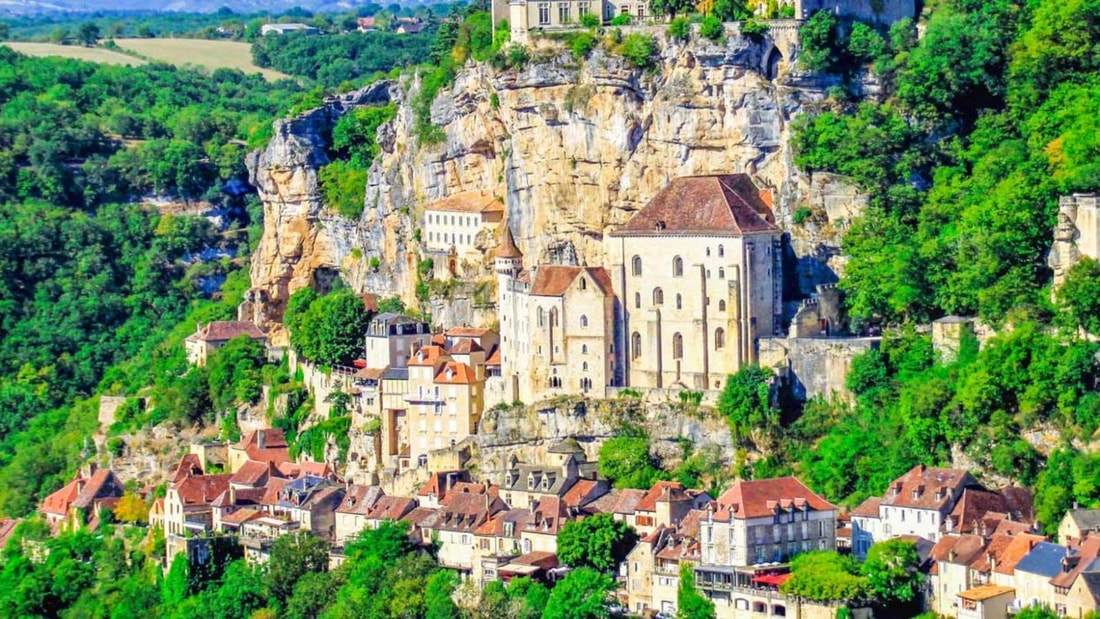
(886, 11)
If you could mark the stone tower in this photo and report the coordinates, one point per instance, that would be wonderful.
(508, 259)
(1077, 233)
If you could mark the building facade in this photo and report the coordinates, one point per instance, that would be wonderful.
(698, 275)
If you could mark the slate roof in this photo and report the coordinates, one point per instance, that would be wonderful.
(725, 204)
(225, 330)
(760, 498)
(360, 499)
(1045, 559)
(1085, 519)
(553, 280)
(566, 446)
(547, 480)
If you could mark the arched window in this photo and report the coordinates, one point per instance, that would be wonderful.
(721, 306)
(721, 273)
(584, 284)
(636, 266)
(635, 345)
(584, 321)
(658, 296)
(542, 317)
(553, 316)
(677, 346)
(708, 252)
(679, 302)
(677, 267)
(721, 251)
(637, 300)
(584, 366)
(584, 349)
(719, 338)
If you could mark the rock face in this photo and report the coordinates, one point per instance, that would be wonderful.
(572, 149)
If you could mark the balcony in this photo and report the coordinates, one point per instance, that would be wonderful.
(261, 544)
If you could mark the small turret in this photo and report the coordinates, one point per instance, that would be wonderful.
(508, 258)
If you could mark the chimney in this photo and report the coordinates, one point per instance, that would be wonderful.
(261, 441)
(232, 495)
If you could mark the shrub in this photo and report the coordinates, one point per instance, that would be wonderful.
(680, 28)
(517, 56)
(494, 101)
(343, 186)
(638, 49)
(801, 215)
(711, 28)
(622, 20)
(375, 263)
(116, 446)
(754, 29)
(588, 20)
(582, 44)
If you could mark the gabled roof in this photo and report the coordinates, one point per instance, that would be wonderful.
(868, 508)
(225, 330)
(925, 487)
(553, 280)
(466, 346)
(441, 482)
(663, 492)
(427, 355)
(359, 500)
(254, 473)
(58, 502)
(495, 526)
(494, 358)
(583, 492)
(548, 516)
(272, 489)
(188, 465)
(275, 448)
(456, 373)
(202, 489)
(566, 446)
(972, 507)
(958, 549)
(392, 508)
(618, 501)
(723, 204)
(1085, 519)
(467, 202)
(764, 497)
(103, 484)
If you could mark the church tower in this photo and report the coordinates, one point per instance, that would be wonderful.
(508, 258)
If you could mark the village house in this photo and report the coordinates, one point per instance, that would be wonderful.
(452, 226)
(312, 502)
(917, 503)
(263, 446)
(352, 513)
(525, 16)
(1077, 525)
(497, 541)
(698, 275)
(565, 467)
(557, 327)
(258, 534)
(80, 501)
(213, 335)
(302, 29)
(666, 503)
(188, 504)
(445, 401)
(462, 510)
(1034, 572)
(432, 493)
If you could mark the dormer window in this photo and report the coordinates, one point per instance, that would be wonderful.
(916, 494)
(530, 482)
(660, 225)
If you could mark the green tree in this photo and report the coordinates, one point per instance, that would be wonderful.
(820, 43)
(88, 34)
(1079, 296)
(625, 460)
(746, 404)
(892, 569)
(690, 604)
(441, 586)
(292, 557)
(671, 8)
(599, 542)
(825, 576)
(583, 594)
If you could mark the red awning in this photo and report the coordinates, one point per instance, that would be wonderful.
(771, 579)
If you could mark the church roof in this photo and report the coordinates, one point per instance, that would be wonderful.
(553, 280)
(725, 204)
(507, 247)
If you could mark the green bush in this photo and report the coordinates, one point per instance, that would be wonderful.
(680, 29)
(638, 49)
(588, 20)
(494, 101)
(343, 185)
(711, 28)
(801, 215)
(754, 29)
(622, 20)
(582, 44)
(116, 446)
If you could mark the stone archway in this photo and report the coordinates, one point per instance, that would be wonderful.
(772, 61)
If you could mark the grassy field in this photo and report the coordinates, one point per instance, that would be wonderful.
(199, 53)
(94, 54)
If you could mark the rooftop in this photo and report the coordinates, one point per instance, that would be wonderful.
(553, 280)
(225, 330)
(724, 204)
(986, 592)
(467, 202)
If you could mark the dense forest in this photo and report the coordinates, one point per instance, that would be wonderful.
(98, 287)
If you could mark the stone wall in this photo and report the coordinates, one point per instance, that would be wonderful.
(814, 366)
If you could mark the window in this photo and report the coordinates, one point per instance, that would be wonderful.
(721, 251)
(719, 338)
(677, 346)
(641, 11)
(563, 12)
(584, 284)
(679, 302)
(544, 16)
(584, 321)
(658, 296)
(637, 300)
(636, 266)
(635, 345)
(624, 9)
(582, 8)
(721, 273)
(708, 252)
(541, 317)
(553, 316)
(584, 349)
(721, 306)
(677, 267)
(584, 366)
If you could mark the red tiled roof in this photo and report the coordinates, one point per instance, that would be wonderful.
(761, 497)
(370, 373)
(927, 488)
(272, 489)
(437, 483)
(392, 508)
(103, 484)
(275, 447)
(548, 516)
(427, 355)
(581, 492)
(58, 502)
(507, 247)
(225, 330)
(201, 489)
(241, 516)
(959, 549)
(622, 501)
(455, 373)
(253, 473)
(188, 465)
(466, 332)
(664, 491)
(467, 202)
(553, 280)
(719, 204)
(466, 346)
(495, 526)
(360, 499)
(494, 357)
(868, 508)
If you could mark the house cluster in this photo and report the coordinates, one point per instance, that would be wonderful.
(986, 558)
(527, 16)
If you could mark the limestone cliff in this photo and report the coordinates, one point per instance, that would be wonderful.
(572, 148)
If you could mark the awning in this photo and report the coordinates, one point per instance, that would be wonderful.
(771, 579)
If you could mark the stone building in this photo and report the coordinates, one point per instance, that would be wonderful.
(698, 275)
(527, 15)
(1076, 235)
(452, 226)
(213, 335)
(445, 399)
(557, 327)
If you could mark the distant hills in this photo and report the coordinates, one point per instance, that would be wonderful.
(44, 7)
